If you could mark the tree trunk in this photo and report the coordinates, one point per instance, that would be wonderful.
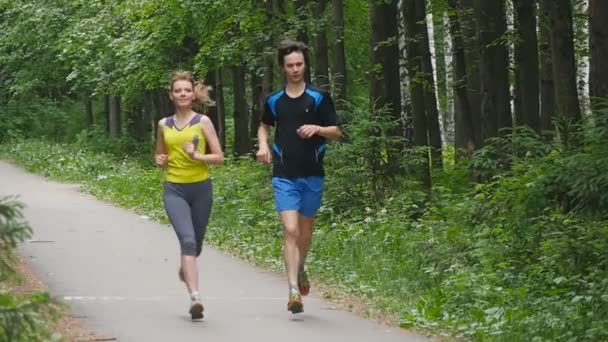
(441, 70)
(562, 51)
(221, 108)
(598, 46)
(321, 45)
(385, 93)
(417, 98)
(257, 104)
(242, 145)
(430, 100)
(301, 14)
(162, 105)
(406, 103)
(89, 119)
(472, 52)
(463, 119)
(526, 47)
(211, 79)
(339, 57)
(106, 112)
(149, 124)
(547, 86)
(114, 118)
(495, 103)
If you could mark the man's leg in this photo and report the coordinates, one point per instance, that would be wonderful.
(291, 251)
(304, 241)
(305, 237)
(291, 254)
(311, 189)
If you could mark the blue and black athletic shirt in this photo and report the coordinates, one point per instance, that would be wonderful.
(295, 157)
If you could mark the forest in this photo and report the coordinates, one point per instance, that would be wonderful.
(468, 197)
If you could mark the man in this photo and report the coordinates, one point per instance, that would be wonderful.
(304, 118)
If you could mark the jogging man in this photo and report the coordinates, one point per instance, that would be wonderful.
(304, 118)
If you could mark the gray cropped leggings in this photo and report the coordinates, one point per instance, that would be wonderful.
(188, 207)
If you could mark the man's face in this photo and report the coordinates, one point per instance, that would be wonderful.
(294, 67)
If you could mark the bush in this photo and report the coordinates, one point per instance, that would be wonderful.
(22, 317)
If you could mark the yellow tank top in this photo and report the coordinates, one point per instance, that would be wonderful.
(181, 168)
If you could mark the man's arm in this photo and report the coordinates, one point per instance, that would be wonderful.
(329, 132)
(263, 155)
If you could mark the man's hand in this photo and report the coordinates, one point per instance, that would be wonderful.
(161, 160)
(263, 155)
(307, 131)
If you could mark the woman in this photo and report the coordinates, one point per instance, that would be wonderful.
(186, 144)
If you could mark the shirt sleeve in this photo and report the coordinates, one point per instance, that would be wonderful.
(268, 117)
(327, 112)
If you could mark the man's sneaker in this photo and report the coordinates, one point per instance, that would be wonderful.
(196, 310)
(303, 283)
(295, 303)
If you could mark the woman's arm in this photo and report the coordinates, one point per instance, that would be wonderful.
(160, 156)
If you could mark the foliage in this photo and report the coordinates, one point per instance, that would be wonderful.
(12, 231)
(22, 317)
(39, 118)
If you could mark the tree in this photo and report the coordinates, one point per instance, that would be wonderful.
(385, 88)
(443, 65)
(562, 53)
(214, 112)
(495, 102)
(526, 65)
(321, 45)
(598, 46)
(339, 57)
(463, 115)
(547, 86)
(472, 51)
(414, 68)
(426, 77)
(242, 144)
(114, 116)
(302, 35)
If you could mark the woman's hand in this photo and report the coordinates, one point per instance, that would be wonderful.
(189, 148)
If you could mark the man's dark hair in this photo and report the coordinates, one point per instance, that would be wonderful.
(288, 46)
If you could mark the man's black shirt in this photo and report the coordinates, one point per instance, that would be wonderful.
(295, 157)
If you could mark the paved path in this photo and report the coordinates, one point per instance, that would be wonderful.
(118, 272)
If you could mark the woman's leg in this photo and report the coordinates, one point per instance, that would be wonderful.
(201, 210)
(179, 213)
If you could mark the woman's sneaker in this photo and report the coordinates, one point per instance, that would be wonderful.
(196, 310)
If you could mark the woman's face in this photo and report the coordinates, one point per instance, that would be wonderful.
(182, 93)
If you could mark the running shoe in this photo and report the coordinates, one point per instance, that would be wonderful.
(196, 310)
(295, 303)
(303, 283)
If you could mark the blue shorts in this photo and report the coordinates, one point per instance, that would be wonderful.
(301, 194)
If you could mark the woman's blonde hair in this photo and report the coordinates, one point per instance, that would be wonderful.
(201, 90)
